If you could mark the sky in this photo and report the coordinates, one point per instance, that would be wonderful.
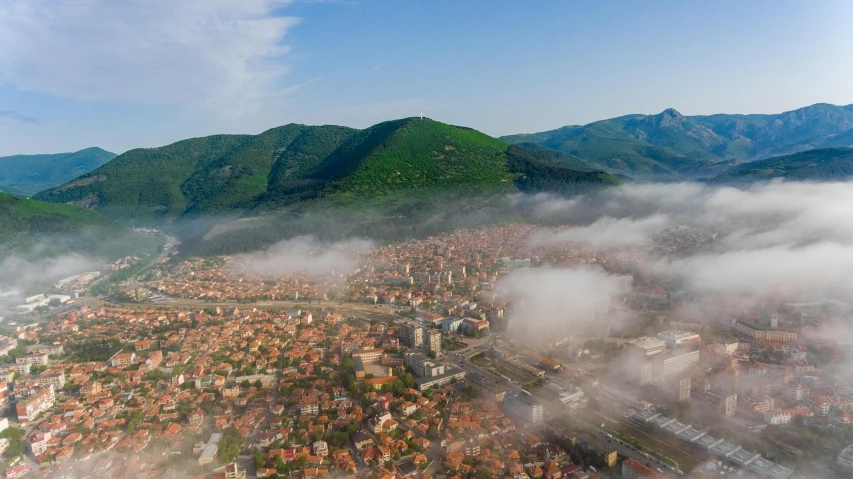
(144, 73)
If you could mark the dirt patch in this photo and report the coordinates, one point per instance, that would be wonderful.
(82, 182)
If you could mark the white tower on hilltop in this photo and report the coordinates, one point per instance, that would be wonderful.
(422, 115)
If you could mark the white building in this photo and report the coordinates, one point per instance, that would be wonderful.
(208, 454)
(450, 324)
(508, 264)
(674, 339)
(648, 346)
(845, 458)
(523, 407)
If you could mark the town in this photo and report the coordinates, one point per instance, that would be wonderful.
(413, 364)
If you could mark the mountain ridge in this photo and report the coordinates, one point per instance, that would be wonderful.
(820, 164)
(299, 166)
(670, 146)
(25, 175)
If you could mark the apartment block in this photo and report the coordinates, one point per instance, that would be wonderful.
(523, 407)
(34, 404)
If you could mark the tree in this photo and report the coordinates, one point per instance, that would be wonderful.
(432, 432)
(339, 439)
(230, 445)
(258, 459)
(397, 387)
(408, 380)
(16, 441)
(483, 473)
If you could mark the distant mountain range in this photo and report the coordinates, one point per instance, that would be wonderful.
(671, 146)
(410, 177)
(26, 175)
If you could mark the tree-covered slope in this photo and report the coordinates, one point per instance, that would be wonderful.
(560, 157)
(535, 173)
(144, 184)
(28, 226)
(415, 154)
(673, 146)
(822, 164)
(25, 175)
(298, 166)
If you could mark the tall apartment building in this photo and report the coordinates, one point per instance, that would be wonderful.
(56, 380)
(679, 387)
(34, 404)
(648, 346)
(36, 359)
(412, 334)
(523, 407)
(450, 324)
(423, 366)
(433, 341)
(646, 371)
(726, 400)
(845, 458)
(661, 367)
(675, 362)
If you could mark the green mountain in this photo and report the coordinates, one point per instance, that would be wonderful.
(297, 166)
(45, 229)
(671, 146)
(396, 179)
(821, 164)
(25, 175)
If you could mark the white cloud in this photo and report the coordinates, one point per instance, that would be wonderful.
(306, 255)
(17, 273)
(219, 54)
(609, 231)
(549, 301)
(788, 237)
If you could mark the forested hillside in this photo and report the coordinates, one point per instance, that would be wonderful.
(28, 226)
(396, 179)
(822, 164)
(298, 166)
(26, 175)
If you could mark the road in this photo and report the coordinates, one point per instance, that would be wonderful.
(434, 453)
(381, 312)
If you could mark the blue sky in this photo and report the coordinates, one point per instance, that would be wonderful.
(143, 73)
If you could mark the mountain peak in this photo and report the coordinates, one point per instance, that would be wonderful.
(668, 117)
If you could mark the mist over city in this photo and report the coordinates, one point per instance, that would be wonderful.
(301, 239)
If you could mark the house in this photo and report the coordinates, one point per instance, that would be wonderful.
(361, 440)
(320, 449)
